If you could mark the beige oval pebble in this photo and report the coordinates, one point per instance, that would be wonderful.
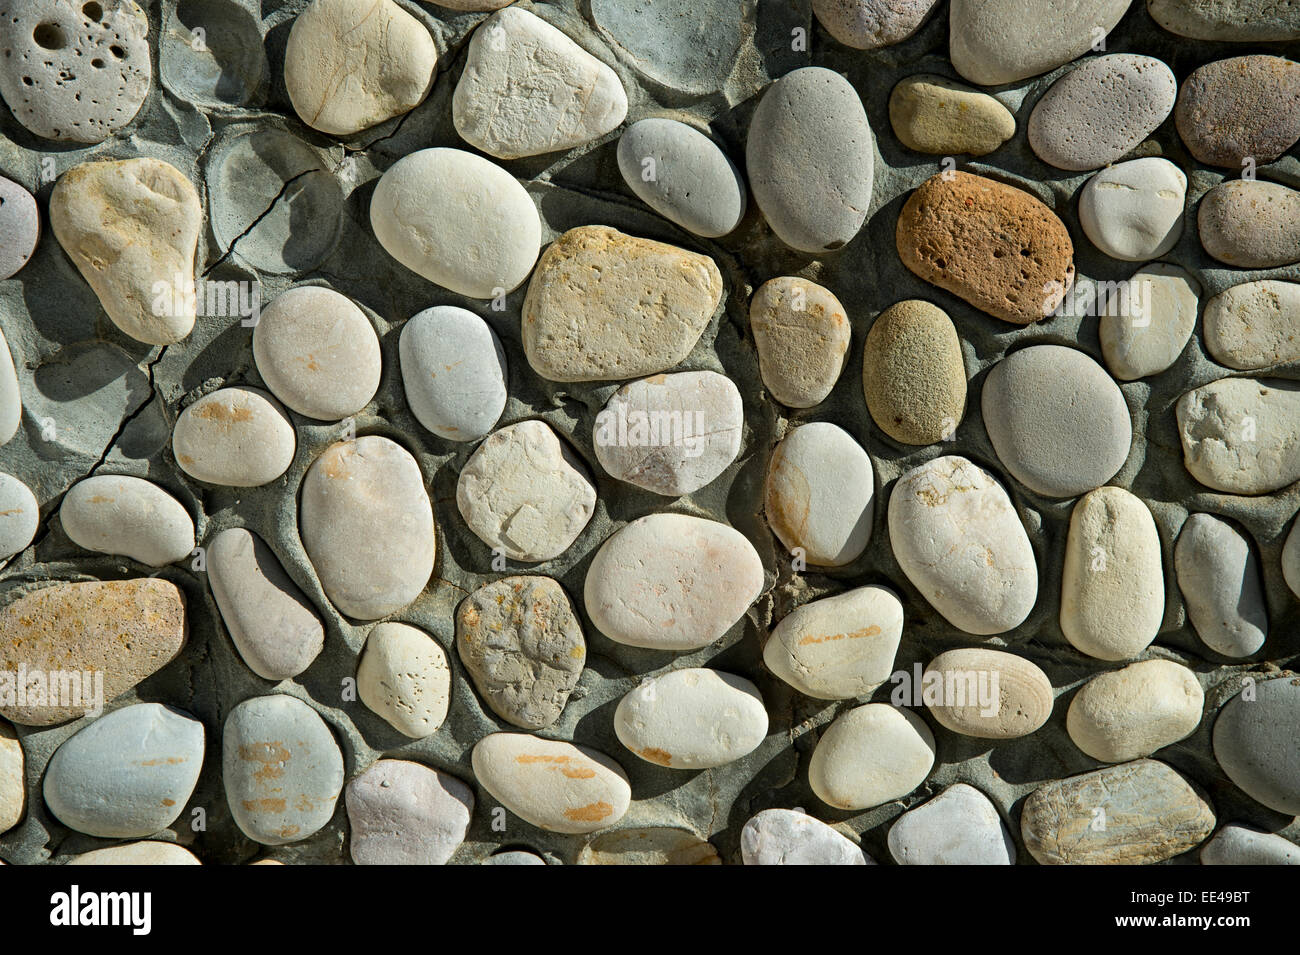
(913, 376)
(932, 114)
(138, 853)
(1130, 713)
(1145, 328)
(871, 755)
(1254, 325)
(1241, 435)
(404, 677)
(127, 516)
(552, 784)
(988, 694)
(692, 719)
(801, 333)
(235, 437)
(12, 795)
(672, 582)
(838, 647)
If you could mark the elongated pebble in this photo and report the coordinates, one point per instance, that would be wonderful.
(13, 796)
(913, 375)
(1144, 331)
(650, 845)
(453, 372)
(992, 42)
(138, 853)
(20, 227)
(801, 333)
(127, 516)
(1219, 576)
(20, 516)
(932, 114)
(11, 403)
(1236, 844)
(680, 173)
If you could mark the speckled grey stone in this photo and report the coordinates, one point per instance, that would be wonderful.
(1240, 845)
(871, 24)
(1251, 224)
(1218, 574)
(20, 227)
(1257, 742)
(1239, 110)
(682, 174)
(1241, 21)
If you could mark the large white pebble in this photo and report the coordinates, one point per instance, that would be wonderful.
(960, 826)
(552, 784)
(404, 677)
(988, 694)
(672, 582)
(137, 853)
(11, 402)
(790, 837)
(1242, 435)
(1254, 325)
(1134, 210)
(1130, 713)
(235, 437)
(838, 647)
(453, 372)
(1145, 327)
(869, 756)
(458, 220)
(958, 538)
(691, 719)
(20, 516)
(127, 516)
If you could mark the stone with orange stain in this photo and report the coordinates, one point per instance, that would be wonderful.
(20, 516)
(282, 769)
(128, 517)
(695, 718)
(550, 783)
(234, 437)
(801, 333)
(838, 647)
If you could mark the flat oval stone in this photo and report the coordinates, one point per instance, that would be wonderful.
(1239, 109)
(790, 837)
(1101, 111)
(957, 537)
(20, 516)
(869, 756)
(810, 155)
(1147, 339)
(524, 493)
(932, 114)
(818, 496)
(270, 621)
(670, 434)
(127, 516)
(692, 719)
(988, 694)
(1134, 211)
(13, 796)
(453, 372)
(913, 376)
(128, 774)
(138, 853)
(367, 525)
(405, 678)
(1113, 582)
(839, 647)
(350, 64)
(11, 402)
(1218, 574)
(1151, 814)
(554, 785)
(1129, 713)
(681, 174)
(1058, 422)
(404, 813)
(1254, 325)
(960, 826)
(523, 647)
(648, 846)
(801, 333)
(672, 582)
(126, 630)
(458, 220)
(20, 227)
(1257, 742)
(130, 226)
(234, 437)
(1239, 845)
(1242, 21)
(317, 352)
(528, 89)
(871, 24)
(282, 769)
(992, 245)
(514, 858)
(1241, 435)
(992, 42)
(603, 305)
(79, 72)
(1251, 224)
(1291, 559)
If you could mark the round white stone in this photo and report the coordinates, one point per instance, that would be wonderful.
(454, 372)
(1144, 333)
(1130, 713)
(235, 437)
(404, 677)
(127, 516)
(20, 516)
(692, 719)
(404, 813)
(960, 826)
(869, 756)
(1134, 210)
(790, 837)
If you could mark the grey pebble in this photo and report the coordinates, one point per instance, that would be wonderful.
(20, 227)
(1257, 742)
(1236, 844)
(1218, 574)
(680, 173)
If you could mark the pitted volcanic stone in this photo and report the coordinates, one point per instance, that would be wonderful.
(1244, 108)
(404, 676)
(1241, 21)
(1254, 325)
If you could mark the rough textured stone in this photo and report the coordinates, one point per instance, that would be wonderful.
(20, 516)
(810, 155)
(404, 677)
(670, 434)
(1102, 110)
(138, 853)
(649, 846)
(404, 813)
(282, 769)
(1242, 21)
(20, 227)
(1251, 224)
(524, 493)
(1254, 325)
(603, 305)
(1129, 713)
(671, 582)
(1240, 845)
(1144, 333)
(1151, 814)
(350, 64)
(992, 245)
(522, 645)
(694, 718)
(968, 704)
(550, 783)
(790, 837)
(871, 24)
(453, 372)
(127, 516)
(932, 114)
(1219, 576)
(367, 525)
(1134, 211)
(1239, 109)
(1242, 436)
(1257, 742)
(871, 755)
(801, 333)
(960, 826)
(913, 376)
(819, 494)
(957, 537)
(13, 797)
(528, 89)
(1058, 422)
(235, 437)
(129, 225)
